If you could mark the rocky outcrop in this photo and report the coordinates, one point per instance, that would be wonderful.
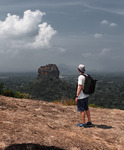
(50, 70)
(38, 125)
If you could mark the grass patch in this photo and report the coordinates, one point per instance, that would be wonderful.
(66, 102)
(93, 105)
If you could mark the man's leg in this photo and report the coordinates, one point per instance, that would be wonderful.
(87, 110)
(88, 115)
(83, 117)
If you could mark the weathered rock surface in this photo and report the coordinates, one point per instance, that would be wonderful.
(50, 69)
(38, 125)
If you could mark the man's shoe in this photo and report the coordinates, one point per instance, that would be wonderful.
(89, 124)
(81, 125)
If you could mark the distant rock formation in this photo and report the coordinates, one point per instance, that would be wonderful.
(50, 69)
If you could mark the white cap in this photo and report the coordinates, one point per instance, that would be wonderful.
(81, 68)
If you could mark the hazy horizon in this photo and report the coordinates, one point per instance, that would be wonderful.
(65, 70)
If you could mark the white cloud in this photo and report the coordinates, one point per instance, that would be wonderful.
(105, 51)
(110, 10)
(44, 36)
(25, 33)
(113, 24)
(100, 54)
(16, 26)
(98, 35)
(106, 22)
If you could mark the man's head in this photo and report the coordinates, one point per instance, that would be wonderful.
(81, 68)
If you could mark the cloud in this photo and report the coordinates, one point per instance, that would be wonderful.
(62, 50)
(118, 11)
(105, 51)
(88, 54)
(100, 54)
(106, 22)
(15, 26)
(44, 36)
(28, 32)
(97, 35)
(113, 24)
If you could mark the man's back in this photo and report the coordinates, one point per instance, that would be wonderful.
(81, 81)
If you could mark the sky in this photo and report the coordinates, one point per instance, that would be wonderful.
(34, 33)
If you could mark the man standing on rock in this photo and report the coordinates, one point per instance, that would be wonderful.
(82, 98)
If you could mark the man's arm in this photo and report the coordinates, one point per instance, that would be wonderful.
(78, 92)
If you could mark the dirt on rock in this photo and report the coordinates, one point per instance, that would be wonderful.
(37, 125)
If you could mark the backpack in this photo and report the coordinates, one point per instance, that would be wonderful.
(89, 84)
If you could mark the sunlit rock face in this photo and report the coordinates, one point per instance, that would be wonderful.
(50, 69)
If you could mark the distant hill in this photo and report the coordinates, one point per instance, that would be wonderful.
(67, 70)
(37, 125)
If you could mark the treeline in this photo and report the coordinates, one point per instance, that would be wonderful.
(49, 88)
(109, 93)
(10, 93)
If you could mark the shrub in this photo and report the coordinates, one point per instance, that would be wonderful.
(22, 95)
(8, 92)
(1, 88)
